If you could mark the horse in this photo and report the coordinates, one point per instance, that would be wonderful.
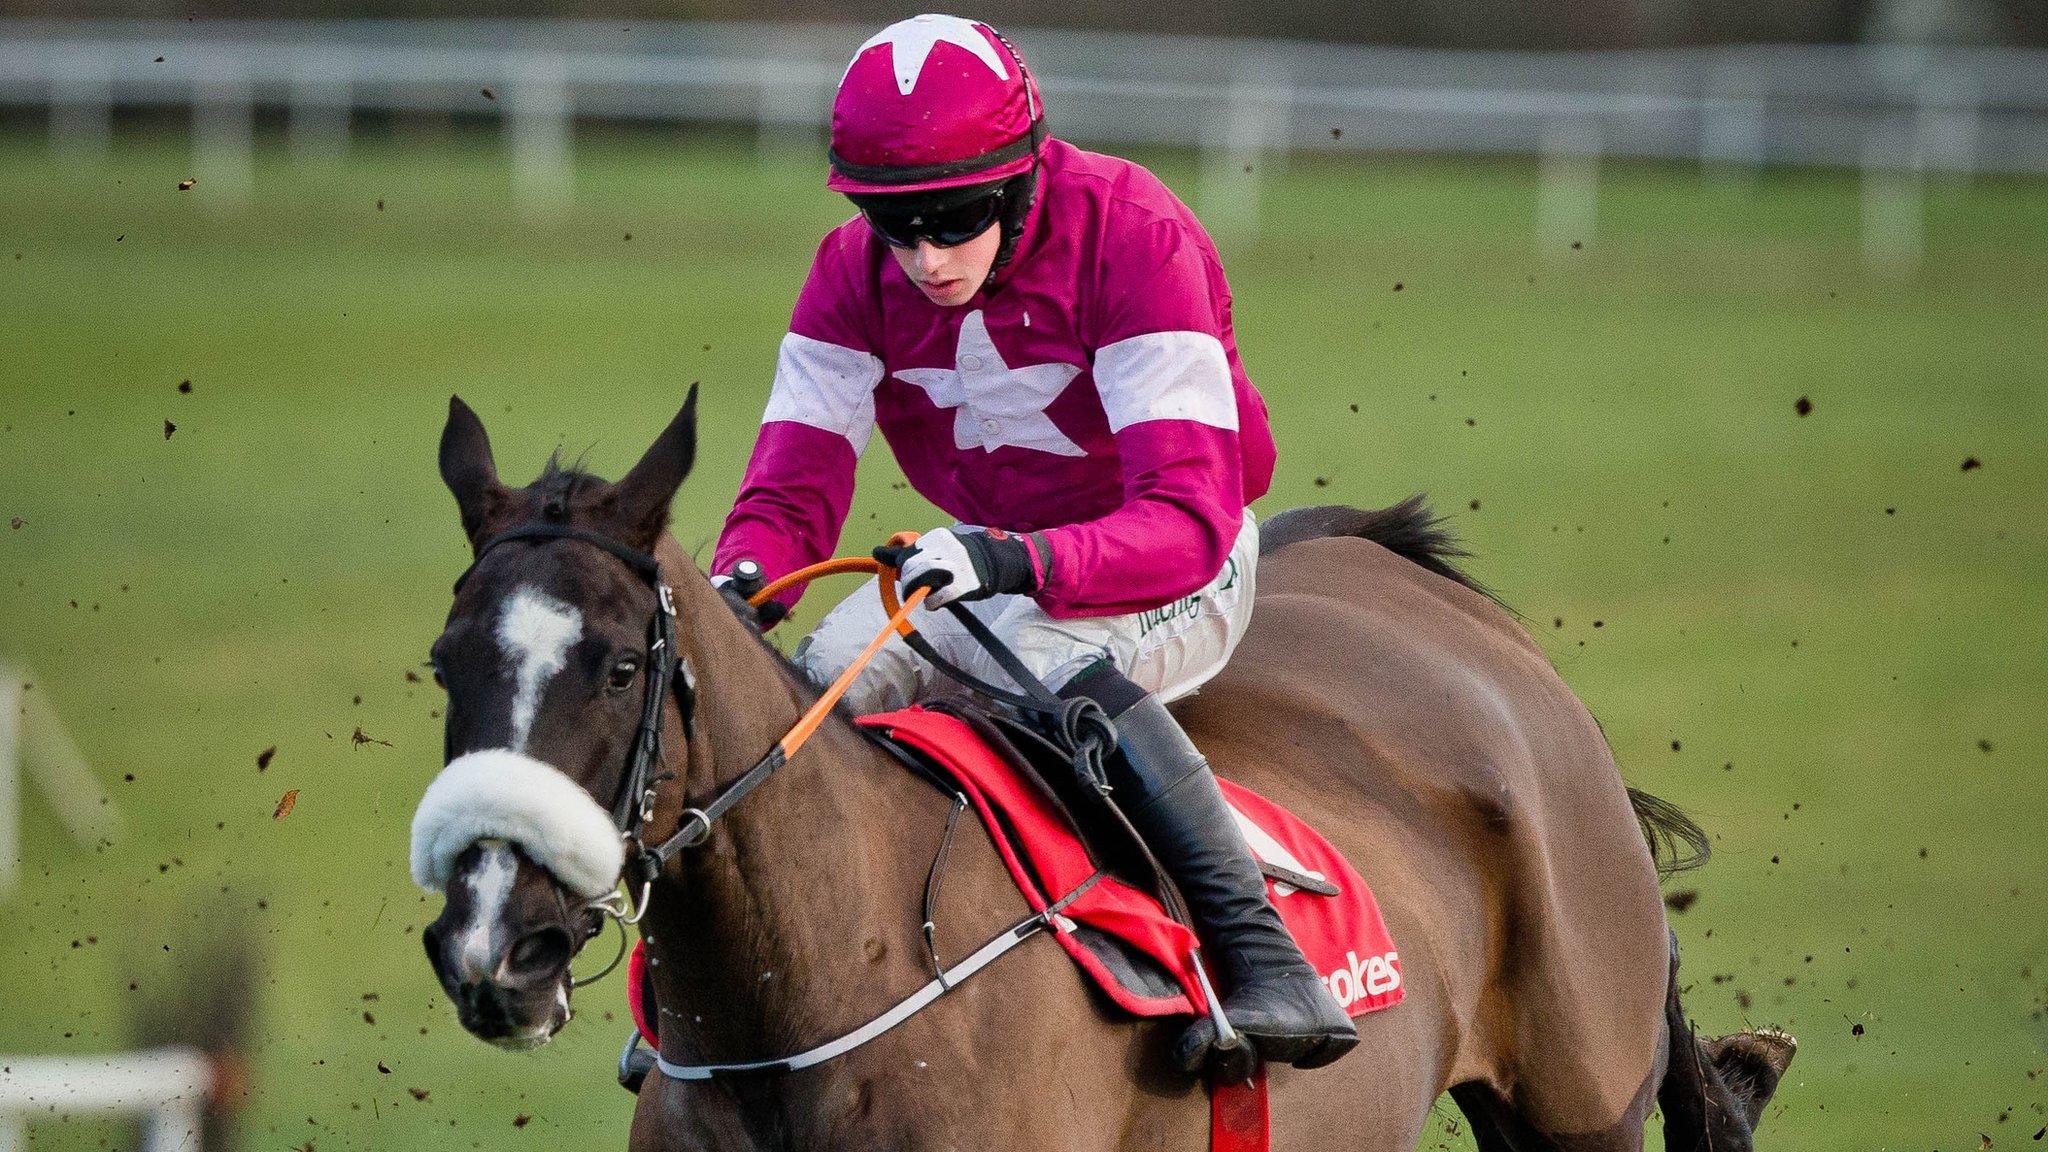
(1379, 693)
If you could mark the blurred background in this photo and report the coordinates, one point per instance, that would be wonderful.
(1717, 327)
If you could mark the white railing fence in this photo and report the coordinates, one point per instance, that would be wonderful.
(167, 1087)
(35, 747)
(1896, 113)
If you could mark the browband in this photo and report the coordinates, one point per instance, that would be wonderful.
(639, 562)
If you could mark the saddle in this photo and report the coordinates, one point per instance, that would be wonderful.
(1039, 759)
(1056, 835)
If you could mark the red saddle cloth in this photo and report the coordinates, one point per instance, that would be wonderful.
(1119, 935)
(1342, 935)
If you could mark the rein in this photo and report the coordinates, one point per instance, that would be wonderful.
(1081, 720)
(639, 782)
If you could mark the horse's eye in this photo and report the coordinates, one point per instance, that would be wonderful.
(440, 680)
(622, 674)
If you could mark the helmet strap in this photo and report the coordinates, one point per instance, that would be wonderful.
(1022, 190)
(1019, 194)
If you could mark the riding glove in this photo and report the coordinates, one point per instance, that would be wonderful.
(967, 564)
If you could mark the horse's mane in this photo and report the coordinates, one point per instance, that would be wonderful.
(1410, 530)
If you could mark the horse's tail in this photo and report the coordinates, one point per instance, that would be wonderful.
(1676, 842)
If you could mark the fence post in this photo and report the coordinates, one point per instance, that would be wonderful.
(1732, 123)
(1251, 126)
(539, 131)
(1949, 122)
(173, 1127)
(66, 780)
(1567, 186)
(785, 124)
(81, 103)
(321, 102)
(1894, 201)
(10, 792)
(223, 143)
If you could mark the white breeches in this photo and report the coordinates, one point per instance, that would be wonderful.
(1169, 651)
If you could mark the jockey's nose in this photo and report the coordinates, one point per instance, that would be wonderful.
(929, 256)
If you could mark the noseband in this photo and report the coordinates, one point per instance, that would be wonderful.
(633, 804)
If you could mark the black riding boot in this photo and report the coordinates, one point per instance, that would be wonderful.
(1271, 993)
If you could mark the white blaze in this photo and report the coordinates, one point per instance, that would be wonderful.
(490, 883)
(536, 631)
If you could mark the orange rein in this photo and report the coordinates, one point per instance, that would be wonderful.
(899, 621)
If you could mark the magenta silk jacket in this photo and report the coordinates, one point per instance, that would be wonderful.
(1095, 395)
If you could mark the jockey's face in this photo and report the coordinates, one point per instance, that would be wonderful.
(951, 276)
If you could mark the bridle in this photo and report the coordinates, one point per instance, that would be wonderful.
(633, 804)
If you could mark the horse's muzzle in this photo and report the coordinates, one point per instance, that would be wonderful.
(502, 945)
(520, 1001)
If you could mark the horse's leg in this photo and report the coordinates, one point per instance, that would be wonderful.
(1538, 1115)
(1715, 1091)
(1488, 1116)
(1498, 1127)
(1378, 1097)
(1626, 1135)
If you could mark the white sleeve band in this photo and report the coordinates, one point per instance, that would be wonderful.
(826, 386)
(1166, 376)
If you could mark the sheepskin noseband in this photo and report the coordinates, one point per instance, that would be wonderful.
(506, 795)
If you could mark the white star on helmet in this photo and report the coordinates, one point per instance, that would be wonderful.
(911, 42)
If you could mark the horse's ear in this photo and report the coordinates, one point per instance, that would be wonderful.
(641, 500)
(467, 467)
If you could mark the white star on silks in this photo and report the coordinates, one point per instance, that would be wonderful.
(997, 405)
(911, 41)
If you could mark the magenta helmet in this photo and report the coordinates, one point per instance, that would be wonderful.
(934, 102)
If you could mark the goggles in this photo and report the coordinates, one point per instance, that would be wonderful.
(946, 227)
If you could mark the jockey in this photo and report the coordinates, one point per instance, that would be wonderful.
(1043, 336)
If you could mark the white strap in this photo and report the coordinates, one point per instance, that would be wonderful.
(916, 1003)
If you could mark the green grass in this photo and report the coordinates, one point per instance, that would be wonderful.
(1798, 628)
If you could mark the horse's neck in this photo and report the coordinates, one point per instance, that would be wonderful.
(766, 936)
